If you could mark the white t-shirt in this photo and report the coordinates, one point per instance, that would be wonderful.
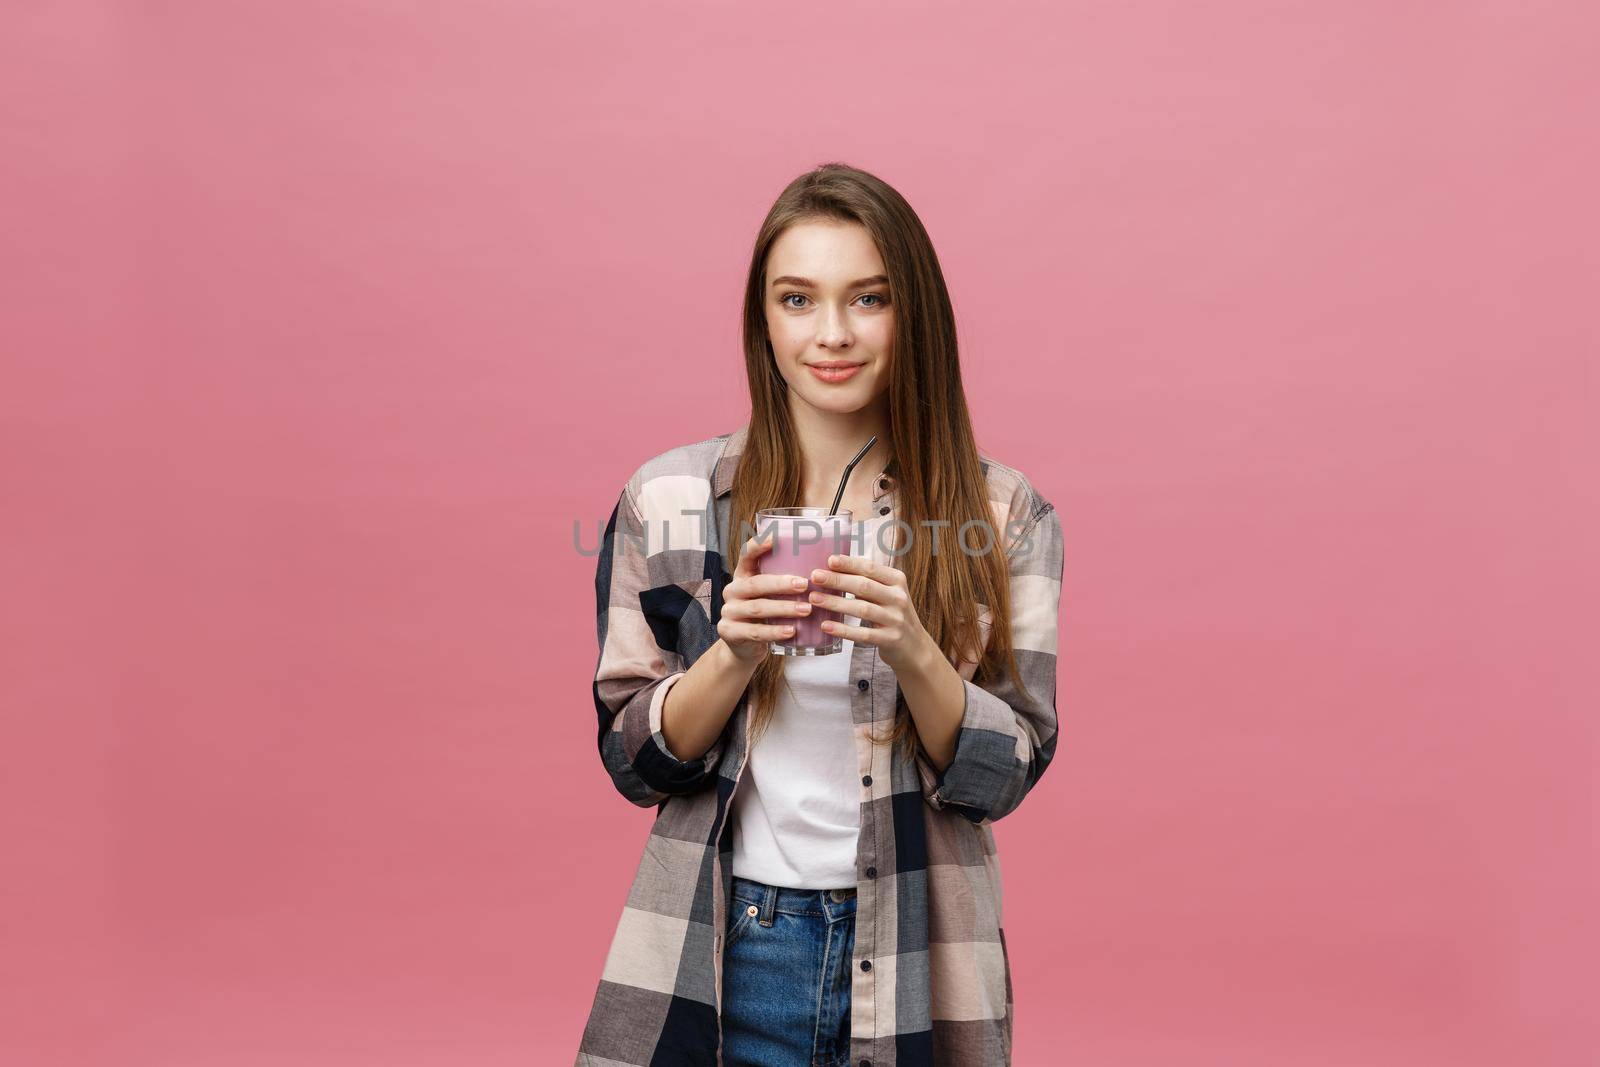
(797, 810)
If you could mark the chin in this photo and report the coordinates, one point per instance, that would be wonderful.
(840, 403)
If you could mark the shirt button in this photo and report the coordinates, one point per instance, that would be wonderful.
(862, 684)
(872, 872)
(884, 510)
(866, 965)
(866, 1063)
(866, 779)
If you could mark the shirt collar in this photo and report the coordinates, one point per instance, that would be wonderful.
(728, 465)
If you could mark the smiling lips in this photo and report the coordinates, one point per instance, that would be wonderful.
(834, 370)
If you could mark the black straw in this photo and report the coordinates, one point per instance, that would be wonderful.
(848, 467)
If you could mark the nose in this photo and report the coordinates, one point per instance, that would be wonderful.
(833, 329)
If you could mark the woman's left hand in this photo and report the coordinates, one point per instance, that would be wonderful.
(882, 602)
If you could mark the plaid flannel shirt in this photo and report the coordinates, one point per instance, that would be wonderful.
(931, 975)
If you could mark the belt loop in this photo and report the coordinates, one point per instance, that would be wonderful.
(769, 905)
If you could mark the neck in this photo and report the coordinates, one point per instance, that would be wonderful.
(829, 441)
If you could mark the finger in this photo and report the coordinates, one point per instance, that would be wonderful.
(859, 634)
(749, 552)
(767, 609)
(878, 572)
(859, 584)
(861, 609)
(760, 585)
(753, 631)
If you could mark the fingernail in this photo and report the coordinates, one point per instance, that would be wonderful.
(788, 629)
(799, 583)
(819, 576)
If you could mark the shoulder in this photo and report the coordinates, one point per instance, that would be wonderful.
(1012, 492)
(681, 476)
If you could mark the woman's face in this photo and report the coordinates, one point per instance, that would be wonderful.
(827, 304)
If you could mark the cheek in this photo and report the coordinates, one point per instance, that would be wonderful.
(785, 335)
(883, 345)
(882, 334)
(880, 384)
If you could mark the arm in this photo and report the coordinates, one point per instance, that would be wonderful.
(634, 675)
(702, 701)
(936, 698)
(1006, 740)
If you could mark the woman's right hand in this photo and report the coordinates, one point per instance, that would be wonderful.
(751, 616)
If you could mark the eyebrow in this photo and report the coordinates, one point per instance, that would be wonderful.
(807, 283)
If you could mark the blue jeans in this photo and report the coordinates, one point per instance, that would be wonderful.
(786, 976)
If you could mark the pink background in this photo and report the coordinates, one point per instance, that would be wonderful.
(324, 322)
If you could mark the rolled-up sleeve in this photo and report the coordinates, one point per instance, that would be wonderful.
(635, 673)
(1008, 736)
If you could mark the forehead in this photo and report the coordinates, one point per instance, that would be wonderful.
(827, 251)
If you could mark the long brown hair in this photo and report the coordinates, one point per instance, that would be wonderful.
(935, 460)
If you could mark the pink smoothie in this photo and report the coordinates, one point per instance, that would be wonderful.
(800, 546)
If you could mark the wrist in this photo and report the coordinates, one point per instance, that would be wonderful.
(925, 658)
(733, 661)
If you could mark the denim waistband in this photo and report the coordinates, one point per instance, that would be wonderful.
(775, 898)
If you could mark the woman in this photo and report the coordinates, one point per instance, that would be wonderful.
(820, 884)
